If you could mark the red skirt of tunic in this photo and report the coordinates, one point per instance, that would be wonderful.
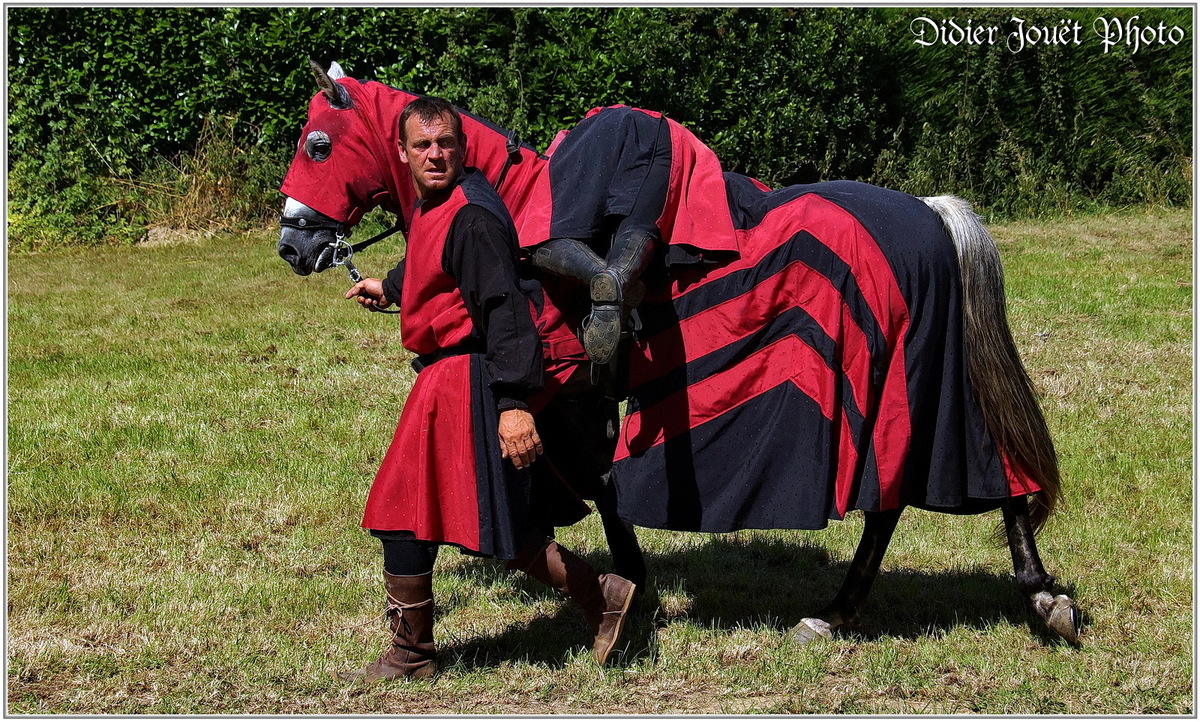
(443, 477)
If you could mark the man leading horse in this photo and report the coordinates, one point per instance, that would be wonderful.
(822, 369)
(491, 356)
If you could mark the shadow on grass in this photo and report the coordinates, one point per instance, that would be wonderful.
(729, 583)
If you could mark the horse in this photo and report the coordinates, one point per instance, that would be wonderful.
(815, 326)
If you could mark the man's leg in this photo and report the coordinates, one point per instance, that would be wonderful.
(408, 579)
(613, 283)
(579, 429)
(605, 598)
(620, 154)
(615, 291)
(569, 258)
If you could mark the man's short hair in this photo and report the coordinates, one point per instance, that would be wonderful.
(428, 108)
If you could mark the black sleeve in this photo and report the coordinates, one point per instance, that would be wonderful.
(393, 283)
(481, 253)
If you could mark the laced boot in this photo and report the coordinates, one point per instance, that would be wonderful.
(605, 598)
(615, 291)
(411, 653)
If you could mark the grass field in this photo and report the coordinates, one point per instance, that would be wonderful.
(192, 431)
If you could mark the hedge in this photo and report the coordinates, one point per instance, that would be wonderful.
(106, 105)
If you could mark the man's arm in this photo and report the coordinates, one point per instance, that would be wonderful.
(480, 252)
(393, 283)
(379, 292)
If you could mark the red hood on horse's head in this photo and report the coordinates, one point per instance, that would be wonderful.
(348, 160)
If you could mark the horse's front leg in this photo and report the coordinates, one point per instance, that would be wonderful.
(851, 599)
(1059, 612)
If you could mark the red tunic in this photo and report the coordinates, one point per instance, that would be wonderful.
(442, 478)
(435, 317)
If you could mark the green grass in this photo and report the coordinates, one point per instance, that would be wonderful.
(192, 431)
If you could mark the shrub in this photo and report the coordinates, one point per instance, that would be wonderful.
(108, 106)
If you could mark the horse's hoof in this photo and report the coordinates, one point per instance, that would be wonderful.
(1060, 613)
(1063, 619)
(811, 629)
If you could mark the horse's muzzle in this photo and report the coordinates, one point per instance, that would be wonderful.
(289, 253)
(305, 253)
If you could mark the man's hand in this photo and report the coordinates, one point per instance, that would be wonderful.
(369, 293)
(519, 438)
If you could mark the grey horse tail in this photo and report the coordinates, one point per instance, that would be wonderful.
(1005, 392)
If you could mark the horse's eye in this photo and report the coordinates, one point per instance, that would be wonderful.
(318, 146)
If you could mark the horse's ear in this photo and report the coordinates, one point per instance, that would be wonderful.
(337, 95)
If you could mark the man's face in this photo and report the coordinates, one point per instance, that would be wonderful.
(432, 152)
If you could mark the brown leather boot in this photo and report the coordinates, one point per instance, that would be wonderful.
(410, 616)
(605, 598)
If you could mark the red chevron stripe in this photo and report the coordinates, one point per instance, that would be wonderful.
(893, 427)
(844, 236)
(796, 285)
(788, 359)
(847, 468)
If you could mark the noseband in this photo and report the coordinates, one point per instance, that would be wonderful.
(304, 224)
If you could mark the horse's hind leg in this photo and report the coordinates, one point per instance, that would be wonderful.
(851, 598)
(1059, 612)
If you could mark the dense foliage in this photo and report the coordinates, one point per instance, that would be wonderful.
(111, 109)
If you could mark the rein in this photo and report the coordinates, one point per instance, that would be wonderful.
(339, 230)
(512, 146)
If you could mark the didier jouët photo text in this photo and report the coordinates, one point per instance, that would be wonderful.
(1018, 34)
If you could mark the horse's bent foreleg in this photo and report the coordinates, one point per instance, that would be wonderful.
(851, 598)
(1059, 612)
